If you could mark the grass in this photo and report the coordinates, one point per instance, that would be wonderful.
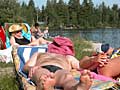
(4, 65)
(79, 46)
(9, 82)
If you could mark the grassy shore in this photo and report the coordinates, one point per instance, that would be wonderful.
(80, 45)
(7, 77)
(9, 82)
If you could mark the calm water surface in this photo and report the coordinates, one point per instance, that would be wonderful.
(111, 36)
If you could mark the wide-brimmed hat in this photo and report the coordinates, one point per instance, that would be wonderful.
(15, 27)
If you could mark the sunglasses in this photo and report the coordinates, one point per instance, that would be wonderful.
(18, 31)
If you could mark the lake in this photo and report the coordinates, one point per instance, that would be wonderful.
(110, 35)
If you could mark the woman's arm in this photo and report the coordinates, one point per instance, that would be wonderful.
(12, 41)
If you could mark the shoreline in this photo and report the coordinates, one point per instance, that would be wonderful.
(95, 46)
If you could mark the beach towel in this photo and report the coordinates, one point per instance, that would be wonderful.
(26, 31)
(25, 52)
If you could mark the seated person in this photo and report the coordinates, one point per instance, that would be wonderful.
(46, 33)
(17, 38)
(36, 32)
(49, 69)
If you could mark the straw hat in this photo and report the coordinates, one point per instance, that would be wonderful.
(14, 28)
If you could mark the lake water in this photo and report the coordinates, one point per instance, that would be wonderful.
(111, 36)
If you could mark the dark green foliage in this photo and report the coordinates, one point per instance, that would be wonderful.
(60, 14)
(8, 10)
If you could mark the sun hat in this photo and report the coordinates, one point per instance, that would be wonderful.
(14, 28)
(105, 47)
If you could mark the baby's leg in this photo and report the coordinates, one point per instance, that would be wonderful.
(44, 79)
(67, 81)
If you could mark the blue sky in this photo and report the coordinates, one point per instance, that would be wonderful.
(39, 3)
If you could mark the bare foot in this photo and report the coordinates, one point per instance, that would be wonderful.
(85, 81)
(47, 82)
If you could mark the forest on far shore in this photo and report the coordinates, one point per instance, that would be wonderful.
(58, 14)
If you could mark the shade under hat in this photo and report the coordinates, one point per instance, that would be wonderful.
(14, 28)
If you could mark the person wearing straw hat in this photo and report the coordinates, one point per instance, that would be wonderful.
(16, 38)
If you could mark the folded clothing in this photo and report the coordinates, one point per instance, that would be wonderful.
(5, 55)
(61, 45)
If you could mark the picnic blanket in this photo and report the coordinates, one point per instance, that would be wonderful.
(23, 53)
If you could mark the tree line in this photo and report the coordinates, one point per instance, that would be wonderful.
(58, 14)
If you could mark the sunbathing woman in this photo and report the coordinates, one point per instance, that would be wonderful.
(48, 70)
(17, 38)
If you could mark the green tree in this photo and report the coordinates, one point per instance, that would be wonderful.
(73, 6)
(31, 12)
(8, 10)
(51, 13)
(23, 11)
(115, 15)
(62, 13)
(87, 14)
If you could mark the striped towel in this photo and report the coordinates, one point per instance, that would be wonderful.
(25, 52)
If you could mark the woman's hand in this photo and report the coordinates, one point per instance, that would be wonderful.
(102, 59)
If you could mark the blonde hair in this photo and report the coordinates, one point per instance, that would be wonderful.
(1, 44)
